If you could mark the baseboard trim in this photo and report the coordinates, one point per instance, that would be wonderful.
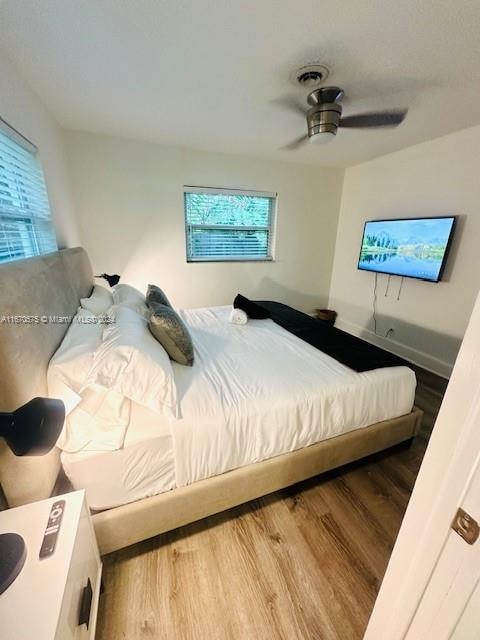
(415, 356)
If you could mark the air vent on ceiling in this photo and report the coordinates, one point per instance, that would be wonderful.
(310, 76)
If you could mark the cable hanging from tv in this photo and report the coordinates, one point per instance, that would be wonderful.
(375, 296)
(400, 288)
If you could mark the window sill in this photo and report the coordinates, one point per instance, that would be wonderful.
(203, 260)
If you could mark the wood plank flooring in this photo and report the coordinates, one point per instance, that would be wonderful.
(304, 563)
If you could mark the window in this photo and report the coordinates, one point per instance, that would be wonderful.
(229, 225)
(25, 222)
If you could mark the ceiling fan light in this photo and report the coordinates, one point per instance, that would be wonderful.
(322, 137)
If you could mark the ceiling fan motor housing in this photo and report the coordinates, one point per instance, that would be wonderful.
(325, 111)
(324, 118)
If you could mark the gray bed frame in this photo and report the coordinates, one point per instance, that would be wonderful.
(52, 285)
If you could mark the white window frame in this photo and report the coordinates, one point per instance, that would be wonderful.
(29, 222)
(271, 228)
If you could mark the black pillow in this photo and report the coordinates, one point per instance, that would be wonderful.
(252, 309)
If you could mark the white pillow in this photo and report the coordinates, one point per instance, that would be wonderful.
(96, 418)
(98, 423)
(99, 302)
(72, 361)
(127, 296)
(131, 362)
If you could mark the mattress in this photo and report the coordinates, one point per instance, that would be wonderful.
(255, 391)
(144, 466)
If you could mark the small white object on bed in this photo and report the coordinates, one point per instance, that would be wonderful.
(254, 392)
(238, 316)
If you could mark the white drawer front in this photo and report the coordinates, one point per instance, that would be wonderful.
(85, 566)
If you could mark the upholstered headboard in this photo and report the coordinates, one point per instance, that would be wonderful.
(41, 289)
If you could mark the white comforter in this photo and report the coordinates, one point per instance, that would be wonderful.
(254, 391)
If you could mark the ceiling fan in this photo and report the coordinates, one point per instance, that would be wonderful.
(325, 116)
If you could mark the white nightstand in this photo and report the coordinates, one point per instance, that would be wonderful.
(50, 596)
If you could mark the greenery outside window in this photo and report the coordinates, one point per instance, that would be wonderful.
(229, 224)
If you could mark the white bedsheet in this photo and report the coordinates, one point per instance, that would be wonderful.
(144, 466)
(254, 391)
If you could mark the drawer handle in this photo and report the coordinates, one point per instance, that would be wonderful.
(85, 605)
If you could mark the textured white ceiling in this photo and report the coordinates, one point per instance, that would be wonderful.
(208, 73)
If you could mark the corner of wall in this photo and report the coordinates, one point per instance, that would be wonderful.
(429, 179)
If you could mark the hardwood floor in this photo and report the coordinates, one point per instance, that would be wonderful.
(302, 563)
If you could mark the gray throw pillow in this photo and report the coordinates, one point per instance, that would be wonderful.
(168, 328)
(155, 294)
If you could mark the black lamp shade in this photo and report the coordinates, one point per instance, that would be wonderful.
(111, 279)
(34, 428)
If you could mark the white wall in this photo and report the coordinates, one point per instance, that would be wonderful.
(129, 200)
(439, 177)
(23, 110)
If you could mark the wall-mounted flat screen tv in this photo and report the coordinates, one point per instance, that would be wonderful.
(407, 247)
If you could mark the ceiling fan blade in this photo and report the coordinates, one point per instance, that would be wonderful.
(374, 119)
(291, 104)
(296, 144)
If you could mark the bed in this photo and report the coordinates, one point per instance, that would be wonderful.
(235, 438)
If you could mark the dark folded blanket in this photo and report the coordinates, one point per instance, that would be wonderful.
(347, 349)
(252, 309)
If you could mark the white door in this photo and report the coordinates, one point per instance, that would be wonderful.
(468, 626)
(430, 590)
(453, 582)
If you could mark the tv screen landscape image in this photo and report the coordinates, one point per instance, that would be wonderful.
(409, 247)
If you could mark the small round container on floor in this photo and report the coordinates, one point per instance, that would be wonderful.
(326, 315)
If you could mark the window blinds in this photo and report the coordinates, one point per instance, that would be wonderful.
(25, 222)
(224, 225)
